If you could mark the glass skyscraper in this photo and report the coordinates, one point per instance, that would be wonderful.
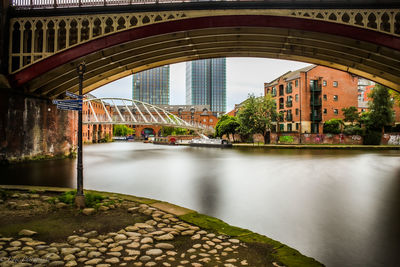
(152, 86)
(206, 83)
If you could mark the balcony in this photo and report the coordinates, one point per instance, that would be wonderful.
(316, 117)
(289, 104)
(281, 106)
(315, 88)
(316, 102)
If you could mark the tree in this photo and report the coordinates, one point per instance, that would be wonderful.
(257, 116)
(381, 107)
(226, 125)
(396, 97)
(351, 114)
(333, 126)
(165, 131)
(380, 115)
(122, 130)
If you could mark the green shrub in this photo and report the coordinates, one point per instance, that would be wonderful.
(92, 199)
(333, 126)
(372, 137)
(68, 197)
(353, 130)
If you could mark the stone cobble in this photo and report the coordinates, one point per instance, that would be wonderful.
(150, 243)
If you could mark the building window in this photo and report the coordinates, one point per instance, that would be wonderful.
(281, 89)
(297, 111)
(324, 83)
(281, 127)
(325, 98)
(273, 91)
(325, 111)
(297, 126)
(296, 83)
(289, 102)
(281, 105)
(289, 88)
(335, 84)
(296, 98)
(211, 120)
(336, 111)
(335, 98)
(289, 127)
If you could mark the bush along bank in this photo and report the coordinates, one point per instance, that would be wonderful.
(44, 226)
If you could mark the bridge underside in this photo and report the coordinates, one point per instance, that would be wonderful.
(362, 52)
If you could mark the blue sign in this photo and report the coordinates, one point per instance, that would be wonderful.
(73, 95)
(68, 104)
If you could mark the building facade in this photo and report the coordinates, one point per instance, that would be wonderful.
(308, 97)
(152, 86)
(94, 133)
(206, 83)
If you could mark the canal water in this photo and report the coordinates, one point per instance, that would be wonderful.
(340, 207)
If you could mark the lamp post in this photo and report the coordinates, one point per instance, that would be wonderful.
(80, 197)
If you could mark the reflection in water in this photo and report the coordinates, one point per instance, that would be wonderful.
(207, 181)
(341, 207)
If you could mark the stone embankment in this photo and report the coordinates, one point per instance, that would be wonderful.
(156, 236)
(142, 244)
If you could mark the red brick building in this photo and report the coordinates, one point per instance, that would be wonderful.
(93, 133)
(308, 97)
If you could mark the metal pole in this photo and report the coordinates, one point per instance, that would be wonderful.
(80, 198)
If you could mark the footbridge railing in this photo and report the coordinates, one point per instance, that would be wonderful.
(133, 112)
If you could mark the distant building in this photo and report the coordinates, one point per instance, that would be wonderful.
(152, 86)
(364, 86)
(308, 97)
(93, 133)
(206, 84)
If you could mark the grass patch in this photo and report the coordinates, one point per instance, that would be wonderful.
(213, 224)
(92, 200)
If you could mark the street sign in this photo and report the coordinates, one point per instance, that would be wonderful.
(68, 104)
(69, 108)
(73, 95)
(68, 101)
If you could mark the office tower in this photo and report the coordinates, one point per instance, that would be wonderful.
(206, 83)
(152, 86)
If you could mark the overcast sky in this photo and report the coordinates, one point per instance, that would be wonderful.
(243, 76)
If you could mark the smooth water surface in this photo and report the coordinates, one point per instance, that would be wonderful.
(340, 207)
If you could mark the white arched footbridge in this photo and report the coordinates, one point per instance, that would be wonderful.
(133, 112)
